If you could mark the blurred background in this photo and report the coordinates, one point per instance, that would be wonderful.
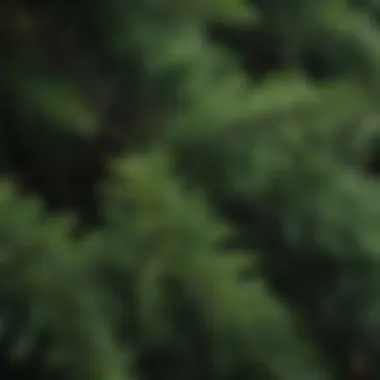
(189, 190)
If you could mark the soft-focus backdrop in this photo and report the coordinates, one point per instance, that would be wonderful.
(189, 190)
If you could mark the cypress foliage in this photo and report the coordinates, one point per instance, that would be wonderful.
(189, 190)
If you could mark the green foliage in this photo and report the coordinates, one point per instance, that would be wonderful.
(223, 221)
(44, 277)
